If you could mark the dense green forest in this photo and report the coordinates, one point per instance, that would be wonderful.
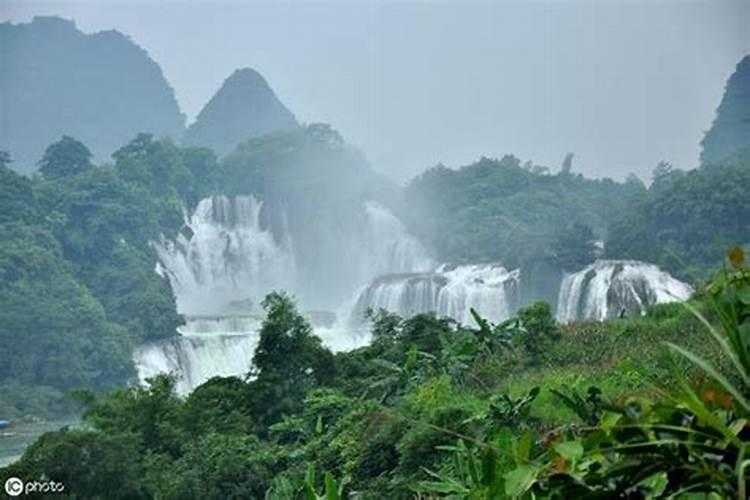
(685, 218)
(503, 210)
(88, 229)
(639, 408)
(508, 211)
(77, 239)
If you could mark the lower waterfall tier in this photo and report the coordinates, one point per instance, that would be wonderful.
(448, 291)
(611, 288)
(209, 347)
(194, 359)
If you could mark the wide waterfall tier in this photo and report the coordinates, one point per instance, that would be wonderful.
(492, 290)
(221, 346)
(611, 288)
(233, 250)
(206, 347)
(223, 260)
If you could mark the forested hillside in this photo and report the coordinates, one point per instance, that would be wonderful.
(522, 409)
(253, 311)
(90, 229)
(686, 219)
(503, 210)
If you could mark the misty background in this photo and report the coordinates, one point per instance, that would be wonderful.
(622, 84)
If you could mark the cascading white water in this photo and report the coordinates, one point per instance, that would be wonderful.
(209, 347)
(390, 248)
(448, 291)
(223, 260)
(609, 288)
(222, 264)
(206, 347)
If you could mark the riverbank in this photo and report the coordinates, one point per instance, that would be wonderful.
(21, 435)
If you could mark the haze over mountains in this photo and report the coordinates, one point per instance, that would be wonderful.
(101, 88)
(56, 80)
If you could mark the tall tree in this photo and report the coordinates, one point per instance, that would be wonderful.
(289, 360)
(65, 158)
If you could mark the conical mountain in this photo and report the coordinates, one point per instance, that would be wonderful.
(731, 128)
(245, 106)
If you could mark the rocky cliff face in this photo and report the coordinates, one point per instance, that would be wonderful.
(245, 106)
(731, 128)
(100, 88)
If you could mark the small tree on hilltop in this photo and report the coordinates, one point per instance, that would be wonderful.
(65, 158)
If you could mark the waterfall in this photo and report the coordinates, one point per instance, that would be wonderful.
(607, 288)
(448, 291)
(205, 348)
(223, 260)
(389, 247)
(217, 346)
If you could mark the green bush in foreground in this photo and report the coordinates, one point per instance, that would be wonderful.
(435, 409)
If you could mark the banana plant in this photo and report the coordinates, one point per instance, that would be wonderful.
(686, 443)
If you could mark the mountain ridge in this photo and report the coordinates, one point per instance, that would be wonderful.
(244, 106)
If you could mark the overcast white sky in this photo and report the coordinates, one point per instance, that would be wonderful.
(621, 83)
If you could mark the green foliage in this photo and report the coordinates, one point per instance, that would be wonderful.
(682, 443)
(53, 332)
(473, 475)
(78, 287)
(89, 464)
(574, 247)
(687, 219)
(217, 466)
(307, 489)
(505, 411)
(538, 328)
(153, 165)
(16, 197)
(528, 428)
(498, 210)
(588, 408)
(288, 361)
(151, 413)
(220, 405)
(65, 158)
